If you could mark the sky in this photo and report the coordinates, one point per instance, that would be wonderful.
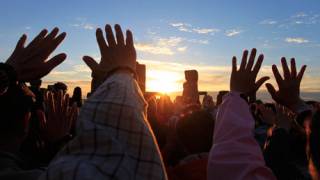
(172, 36)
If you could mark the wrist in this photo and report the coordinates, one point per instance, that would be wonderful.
(299, 106)
(99, 76)
(240, 94)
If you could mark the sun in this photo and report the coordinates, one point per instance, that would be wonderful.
(164, 81)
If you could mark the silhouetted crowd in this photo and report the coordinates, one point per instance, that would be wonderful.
(122, 132)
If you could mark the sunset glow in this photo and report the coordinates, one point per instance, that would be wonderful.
(164, 81)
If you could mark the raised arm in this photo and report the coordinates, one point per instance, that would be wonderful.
(114, 139)
(235, 153)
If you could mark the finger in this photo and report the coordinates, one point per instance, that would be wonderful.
(101, 41)
(261, 81)
(286, 71)
(244, 60)
(52, 63)
(300, 74)
(52, 34)
(277, 75)
(52, 45)
(90, 62)
(271, 90)
(51, 106)
(57, 41)
(293, 68)
(21, 43)
(46, 41)
(46, 99)
(119, 35)
(59, 102)
(251, 59)
(129, 40)
(66, 104)
(257, 67)
(35, 42)
(19, 46)
(234, 64)
(110, 36)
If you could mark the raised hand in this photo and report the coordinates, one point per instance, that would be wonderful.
(60, 116)
(244, 79)
(116, 53)
(283, 117)
(31, 61)
(289, 86)
(268, 116)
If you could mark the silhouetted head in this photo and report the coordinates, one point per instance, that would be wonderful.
(36, 83)
(195, 131)
(60, 86)
(77, 93)
(220, 97)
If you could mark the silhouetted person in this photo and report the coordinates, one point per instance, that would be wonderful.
(60, 86)
(35, 86)
(194, 133)
(220, 96)
(76, 97)
(15, 110)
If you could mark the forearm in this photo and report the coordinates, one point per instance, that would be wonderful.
(234, 145)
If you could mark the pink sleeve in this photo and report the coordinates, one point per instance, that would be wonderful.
(235, 154)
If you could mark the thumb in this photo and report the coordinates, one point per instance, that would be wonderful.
(90, 62)
(261, 81)
(271, 90)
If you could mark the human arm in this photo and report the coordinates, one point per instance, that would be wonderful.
(234, 146)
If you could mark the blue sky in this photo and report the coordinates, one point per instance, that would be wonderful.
(171, 36)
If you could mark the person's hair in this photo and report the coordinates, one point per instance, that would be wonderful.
(60, 86)
(195, 131)
(76, 97)
(36, 83)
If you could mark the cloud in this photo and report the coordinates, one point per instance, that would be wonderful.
(185, 27)
(199, 41)
(153, 49)
(83, 24)
(88, 26)
(268, 22)
(296, 40)
(182, 49)
(171, 41)
(28, 27)
(177, 24)
(215, 78)
(211, 77)
(164, 46)
(300, 15)
(81, 68)
(205, 30)
(299, 19)
(232, 32)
